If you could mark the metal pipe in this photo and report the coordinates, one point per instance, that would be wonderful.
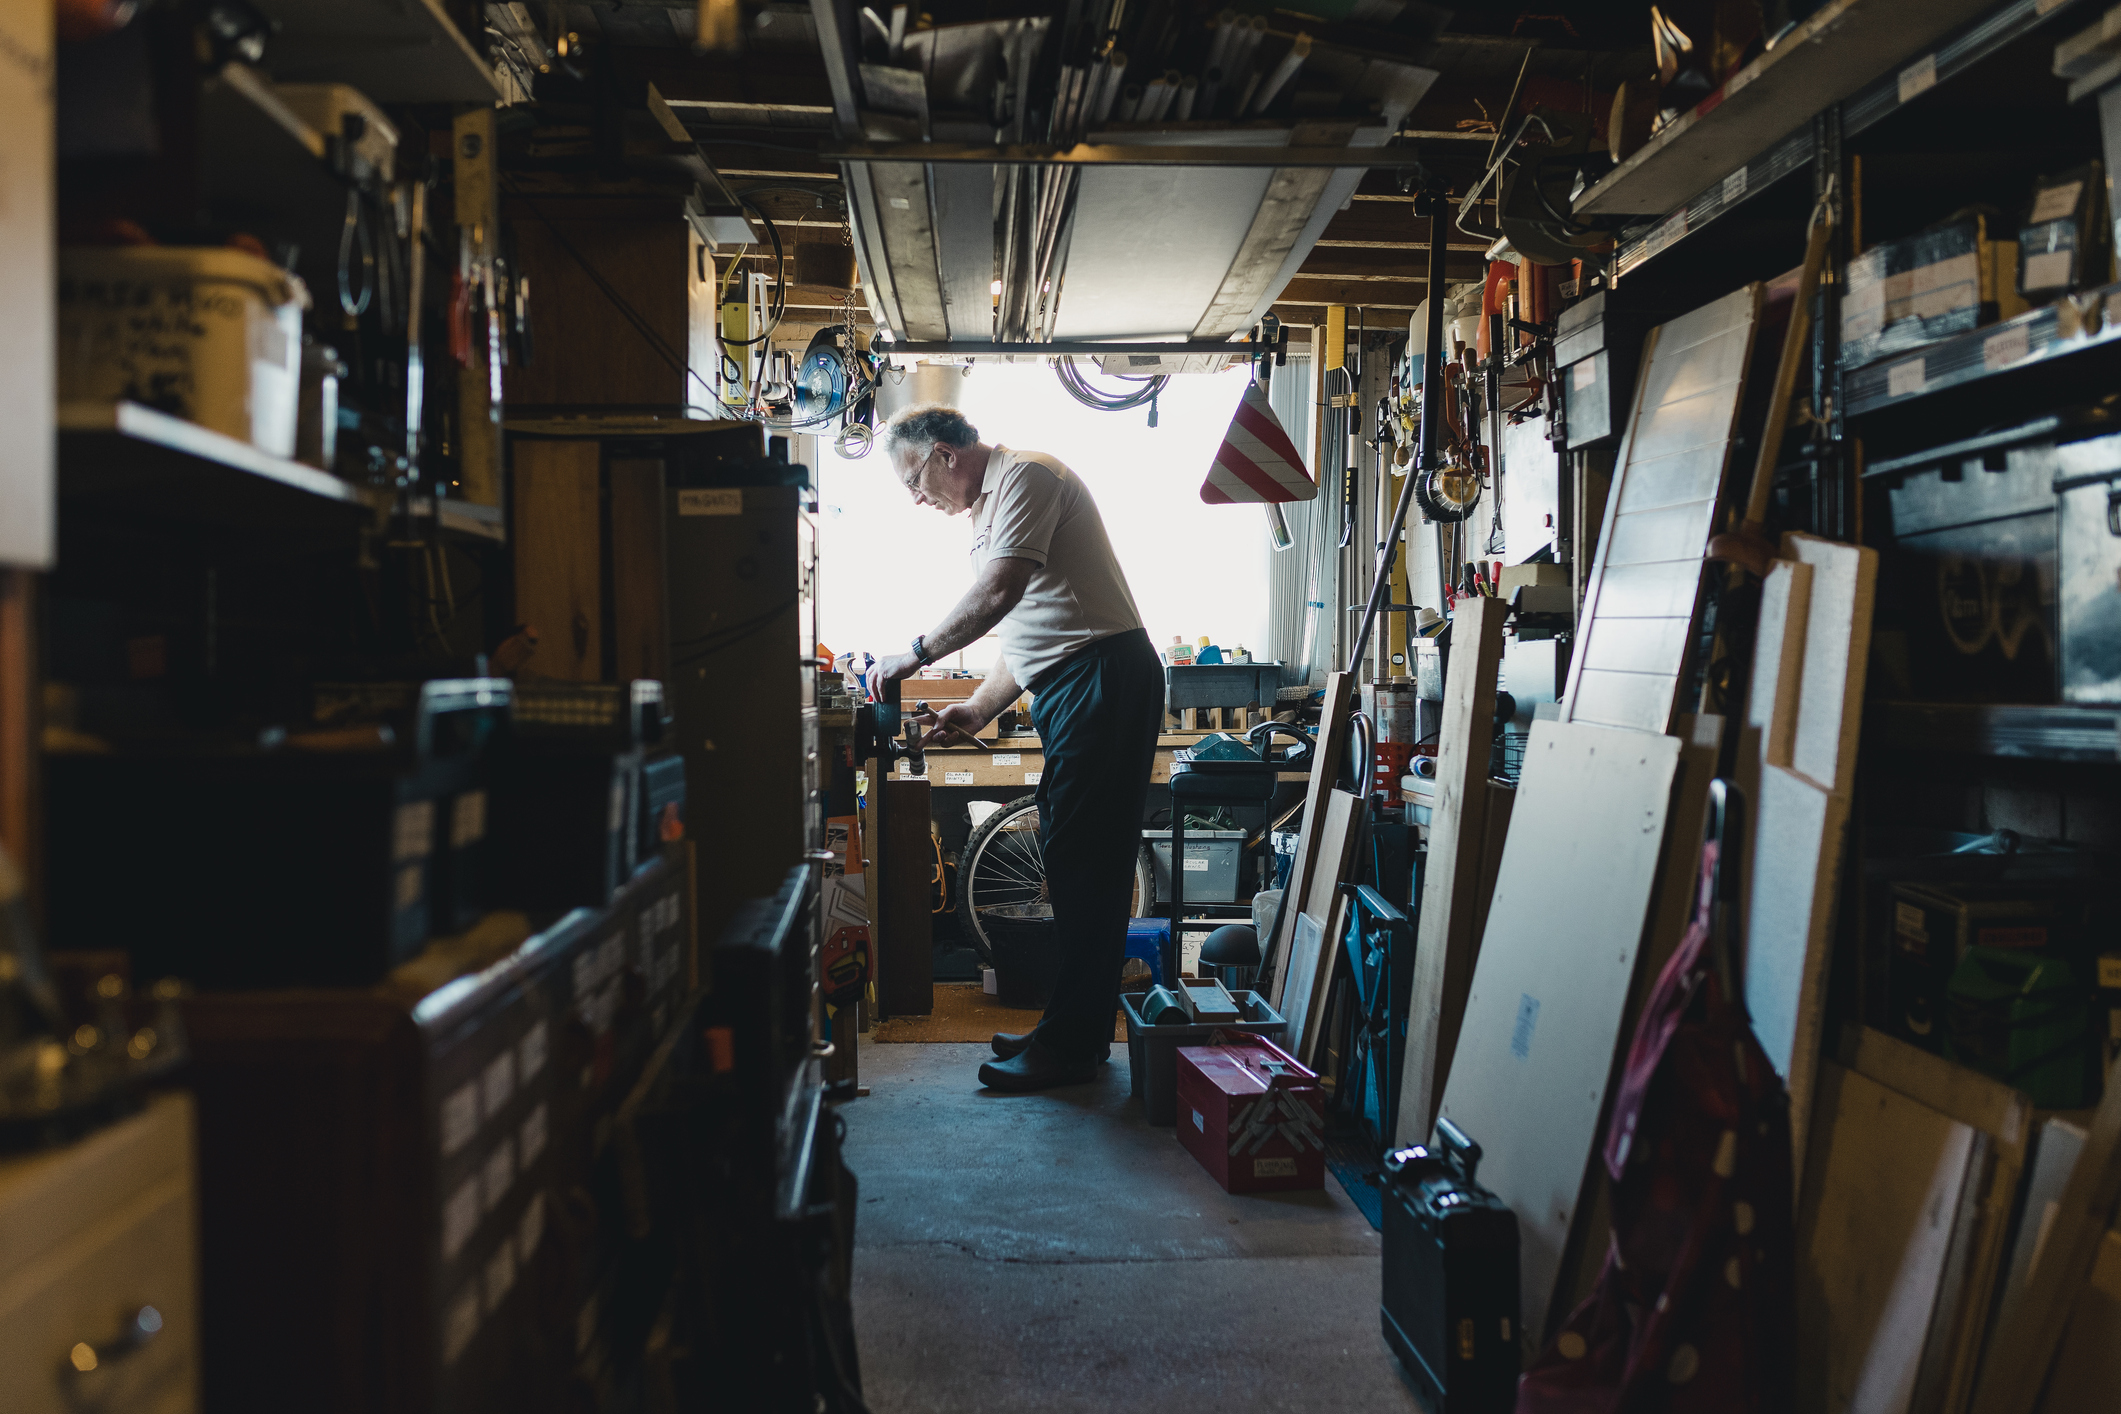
(1075, 347)
(1430, 202)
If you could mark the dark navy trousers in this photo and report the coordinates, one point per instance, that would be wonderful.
(1098, 713)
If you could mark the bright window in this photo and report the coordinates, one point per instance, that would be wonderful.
(892, 569)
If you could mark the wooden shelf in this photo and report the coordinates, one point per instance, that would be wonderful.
(1834, 55)
(126, 461)
(395, 51)
(2041, 733)
(465, 518)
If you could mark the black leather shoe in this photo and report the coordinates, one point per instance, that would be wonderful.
(1007, 1044)
(1035, 1068)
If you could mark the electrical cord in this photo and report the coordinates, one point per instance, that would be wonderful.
(780, 273)
(1079, 388)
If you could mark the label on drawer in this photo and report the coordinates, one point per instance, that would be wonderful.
(460, 1118)
(500, 1172)
(460, 1324)
(413, 830)
(957, 778)
(530, 1139)
(726, 501)
(497, 1084)
(1008, 758)
(460, 1218)
(1031, 778)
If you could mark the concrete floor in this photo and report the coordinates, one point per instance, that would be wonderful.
(1052, 1252)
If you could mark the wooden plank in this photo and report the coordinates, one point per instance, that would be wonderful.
(2002, 1114)
(556, 540)
(1644, 598)
(2054, 1156)
(1536, 1050)
(1453, 906)
(2023, 1347)
(1837, 654)
(1873, 1242)
(571, 263)
(639, 588)
(1308, 989)
(1796, 848)
(904, 943)
(1325, 770)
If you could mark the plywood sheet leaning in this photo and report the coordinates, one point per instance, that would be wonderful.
(1874, 1237)
(2024, 1344)
(1812, 699)
(2004, 1116)
(2053, 1158)
(1325, 770)
(1542, 1021)
(1453, 905)
(1771, 704)
(1308, 977)
(1644, 594)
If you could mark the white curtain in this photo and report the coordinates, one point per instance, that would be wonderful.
(1300, 578)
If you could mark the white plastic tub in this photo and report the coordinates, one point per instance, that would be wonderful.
(206, 333)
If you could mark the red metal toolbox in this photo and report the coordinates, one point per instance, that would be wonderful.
(1251, 1115)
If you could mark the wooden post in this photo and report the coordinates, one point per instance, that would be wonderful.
(1453, 903)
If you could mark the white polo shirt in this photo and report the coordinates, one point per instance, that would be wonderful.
(1031, 507)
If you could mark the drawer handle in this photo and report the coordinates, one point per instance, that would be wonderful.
(141, 1327)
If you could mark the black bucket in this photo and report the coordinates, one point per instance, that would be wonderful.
(1026, 953)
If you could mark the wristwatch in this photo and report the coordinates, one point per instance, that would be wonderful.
(920, 649)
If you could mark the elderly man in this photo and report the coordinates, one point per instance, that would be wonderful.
(1045, 573)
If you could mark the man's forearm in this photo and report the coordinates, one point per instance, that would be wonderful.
(997, 691)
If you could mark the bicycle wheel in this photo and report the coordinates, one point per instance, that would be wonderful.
(1002, 876)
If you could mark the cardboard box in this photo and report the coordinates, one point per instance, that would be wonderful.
(1936, 283)
(1254, 1118)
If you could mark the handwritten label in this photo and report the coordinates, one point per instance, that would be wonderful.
(1905, 379)
(1527, 1022)
(2049, 270)
(1008, 758)
(728, 501)
(2054, 203)
(2001, 349)
(1918, 78)
(1031, 777)
(1734, 186)
(957, 778)
(1283, 1167)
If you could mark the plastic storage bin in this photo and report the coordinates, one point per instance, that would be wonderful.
(1152, 1051)
(1211, 864)
(208, 334)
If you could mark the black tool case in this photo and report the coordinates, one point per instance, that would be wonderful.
(566, 790)
(285, 860)
(1450, 1291)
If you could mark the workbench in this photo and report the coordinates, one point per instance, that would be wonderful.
(1018, 761)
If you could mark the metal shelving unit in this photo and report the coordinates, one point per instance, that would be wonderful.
(1879, 99)
(2037, 336)
(2028, 732)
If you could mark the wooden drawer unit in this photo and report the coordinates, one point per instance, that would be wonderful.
(99, 1247)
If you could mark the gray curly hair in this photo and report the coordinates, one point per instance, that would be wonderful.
(920, 427)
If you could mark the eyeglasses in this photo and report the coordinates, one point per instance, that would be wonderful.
(912, 482)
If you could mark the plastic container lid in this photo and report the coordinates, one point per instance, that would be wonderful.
(187, 263)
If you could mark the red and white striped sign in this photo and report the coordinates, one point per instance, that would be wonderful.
(1256, 461)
